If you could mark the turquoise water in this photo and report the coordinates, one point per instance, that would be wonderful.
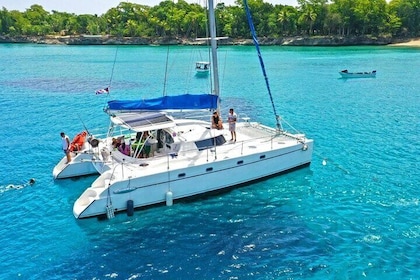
(354, 217)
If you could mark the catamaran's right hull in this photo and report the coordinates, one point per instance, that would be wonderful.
(197, 176)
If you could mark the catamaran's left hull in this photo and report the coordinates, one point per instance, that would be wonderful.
(80, 165)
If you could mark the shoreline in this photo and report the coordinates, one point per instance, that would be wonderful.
(333, 41)
(411, 43)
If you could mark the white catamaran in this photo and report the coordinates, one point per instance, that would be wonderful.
(150, 156)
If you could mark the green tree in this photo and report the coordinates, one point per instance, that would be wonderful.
(307, 18)
(370, 15)
(38, 19)
(344, 8)
(225, 21)
(288, 18)
(6, 21)
(332, 22)
(318, 11)
(161, 14)
(408, 11)
(283, 18)
(21, 25)
(180, 19)
(58, 22)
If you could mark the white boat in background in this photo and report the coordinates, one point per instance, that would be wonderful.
(171, 158)
(347, 74)
(202, 67)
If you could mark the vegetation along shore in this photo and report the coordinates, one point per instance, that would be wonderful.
(311, 23)
(285, 41)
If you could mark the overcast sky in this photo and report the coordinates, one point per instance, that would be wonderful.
(99, 7)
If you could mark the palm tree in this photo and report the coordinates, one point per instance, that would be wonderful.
(308, 17)
(283, 18)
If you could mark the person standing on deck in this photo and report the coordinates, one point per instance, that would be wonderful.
(232, 124)
(66, 146)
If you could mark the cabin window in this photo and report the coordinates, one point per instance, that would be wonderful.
(209, 143)
(164, 138)
(168, 137)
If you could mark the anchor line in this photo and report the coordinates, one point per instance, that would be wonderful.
(325, 160)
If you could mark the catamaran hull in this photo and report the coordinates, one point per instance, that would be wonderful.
(81, 165)
(189, 181)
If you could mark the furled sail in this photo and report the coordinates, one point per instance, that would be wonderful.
(255, 39)
(178, 102)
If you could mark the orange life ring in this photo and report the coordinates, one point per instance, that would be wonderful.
(78, 141)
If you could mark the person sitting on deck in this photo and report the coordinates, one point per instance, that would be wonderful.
(124, 148)
(116, 142)
(216, 121)
(140, 147)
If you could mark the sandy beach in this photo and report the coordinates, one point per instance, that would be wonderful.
(412, 43)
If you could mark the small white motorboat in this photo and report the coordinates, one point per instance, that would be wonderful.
(202, 67)
(347, 74)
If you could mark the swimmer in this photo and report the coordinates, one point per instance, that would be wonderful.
(18, 187)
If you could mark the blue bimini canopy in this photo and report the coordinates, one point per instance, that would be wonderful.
(178, 102)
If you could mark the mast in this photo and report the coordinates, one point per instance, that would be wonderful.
(213, 41)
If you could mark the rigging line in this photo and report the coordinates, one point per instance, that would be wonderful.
(211, 82)
(209, 57)
(223, 72)
(255, 39)
(165, 79)
(113, 67)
